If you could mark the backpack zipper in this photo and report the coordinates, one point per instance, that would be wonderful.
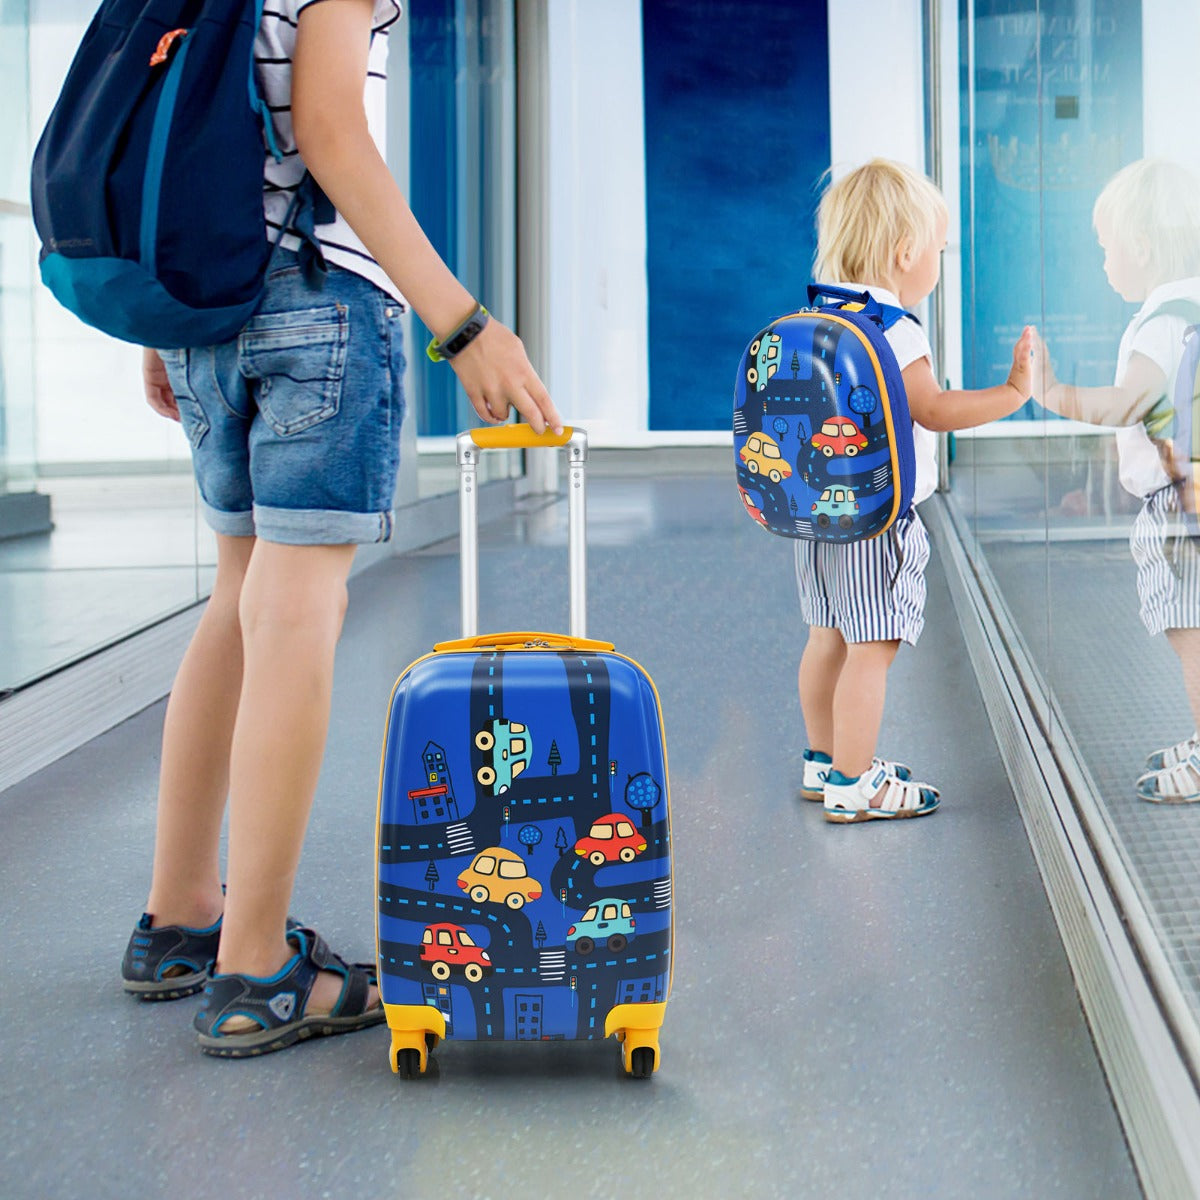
(156, 154)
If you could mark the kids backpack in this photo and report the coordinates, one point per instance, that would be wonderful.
(1173, 424)
(147, 182)
(822, 437)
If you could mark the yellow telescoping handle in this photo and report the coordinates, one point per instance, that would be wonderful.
(533, 640)
(469, 446)
(518, 436)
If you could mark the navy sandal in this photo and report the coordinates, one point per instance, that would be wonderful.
(168, 962)
(277, 1005)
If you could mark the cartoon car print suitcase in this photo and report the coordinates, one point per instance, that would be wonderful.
(523, 831)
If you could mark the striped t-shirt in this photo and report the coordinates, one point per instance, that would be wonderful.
(273, 51)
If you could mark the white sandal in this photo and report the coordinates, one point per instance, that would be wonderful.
(1178, 784)
(815, 774)
(1172, 756)
(847, 803)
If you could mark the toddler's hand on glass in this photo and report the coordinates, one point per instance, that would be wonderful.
(1025, 364)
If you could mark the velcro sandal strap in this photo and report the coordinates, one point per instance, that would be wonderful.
(902, 795)
(353, 1000)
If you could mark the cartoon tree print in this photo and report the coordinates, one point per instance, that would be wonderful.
(795, 364)
(560, 841)
(554, 759)
(864, 402)
(529, 836)
(792, 507)
(641, 792)
(539, 935)
(781, 427)
(431, 875)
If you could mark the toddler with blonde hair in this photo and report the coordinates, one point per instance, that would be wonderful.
(881, 229)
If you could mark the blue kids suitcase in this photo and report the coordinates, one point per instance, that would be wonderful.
(523, 835)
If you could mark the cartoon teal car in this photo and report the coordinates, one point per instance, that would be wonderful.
(764, 360)
(507, 749)
(608, 923)
(836, 504)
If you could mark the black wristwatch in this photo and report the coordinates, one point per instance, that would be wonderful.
(460, 338)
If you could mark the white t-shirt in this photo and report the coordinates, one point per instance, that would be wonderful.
(1159, 339)
(273, 51)
(909, 342)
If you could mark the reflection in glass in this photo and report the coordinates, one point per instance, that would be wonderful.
(1085, 512)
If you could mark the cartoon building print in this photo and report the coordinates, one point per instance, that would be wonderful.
(438, 996)
(435, 801)
(528, 1018)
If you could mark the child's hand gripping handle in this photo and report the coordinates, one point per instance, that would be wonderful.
(520, 437)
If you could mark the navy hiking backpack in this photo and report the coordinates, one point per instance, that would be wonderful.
(147, 181)
(822, 436)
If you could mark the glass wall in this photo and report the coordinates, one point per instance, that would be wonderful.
(99, 529)
(1080, 205)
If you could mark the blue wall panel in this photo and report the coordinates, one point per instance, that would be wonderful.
(737, 138)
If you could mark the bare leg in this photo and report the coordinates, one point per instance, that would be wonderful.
(820, 667)
(292, 605)
(1186, 644)
(858, 704)
(194, 774)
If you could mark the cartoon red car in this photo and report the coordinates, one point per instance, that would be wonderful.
(839, 436)
(610, 839)
(447, 947)
(751, 507)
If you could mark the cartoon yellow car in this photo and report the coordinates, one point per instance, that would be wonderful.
(499, 876)
(761, 455)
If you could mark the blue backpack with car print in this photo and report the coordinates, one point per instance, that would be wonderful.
(822, 436)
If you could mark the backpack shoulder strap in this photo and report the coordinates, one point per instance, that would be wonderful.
(1180, 306)
(892, 314)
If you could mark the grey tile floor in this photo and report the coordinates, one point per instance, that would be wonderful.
(1121, 695)
(860, 1011)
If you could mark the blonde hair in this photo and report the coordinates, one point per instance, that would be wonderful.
(1157, 201)
(865, 216)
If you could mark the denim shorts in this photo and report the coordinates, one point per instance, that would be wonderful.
(295, 423)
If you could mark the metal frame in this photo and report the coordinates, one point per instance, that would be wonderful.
(468, 453)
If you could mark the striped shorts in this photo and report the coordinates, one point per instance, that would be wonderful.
(1168, 565)
(869, 591)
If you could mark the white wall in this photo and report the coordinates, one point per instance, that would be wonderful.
(597, 363)
(1171, 100)
(876, 106)
(89, 404)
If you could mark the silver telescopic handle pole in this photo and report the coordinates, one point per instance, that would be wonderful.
(468, 452)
